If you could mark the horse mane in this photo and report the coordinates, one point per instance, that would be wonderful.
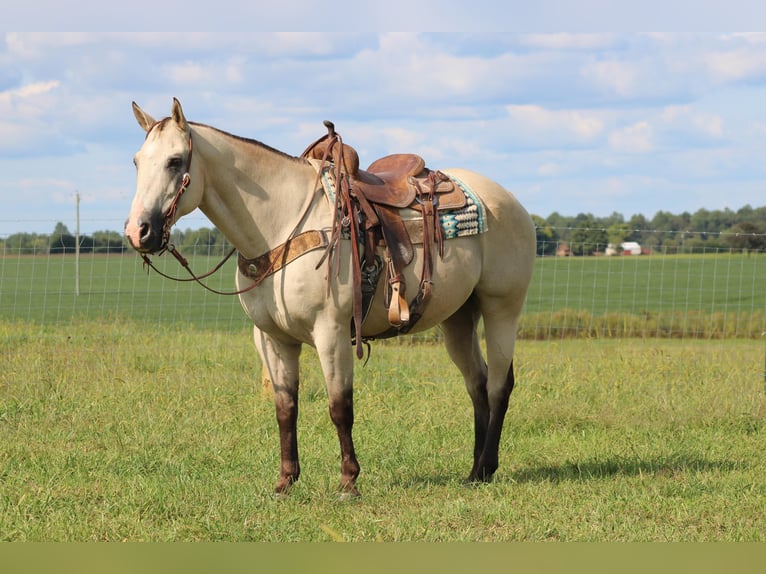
(250, 141)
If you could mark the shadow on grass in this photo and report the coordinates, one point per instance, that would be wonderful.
(586, 470)
(599, 469)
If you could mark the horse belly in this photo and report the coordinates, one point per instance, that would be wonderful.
(454, 278)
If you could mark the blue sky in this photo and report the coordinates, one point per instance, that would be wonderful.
(570, 122)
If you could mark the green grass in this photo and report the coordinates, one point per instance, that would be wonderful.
(41, 289)
(114, 432)
(722, 282)
(704, 295)
(698, 296)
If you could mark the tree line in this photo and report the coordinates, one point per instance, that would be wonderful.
(703, 230)
(584, 234)
(61, 241)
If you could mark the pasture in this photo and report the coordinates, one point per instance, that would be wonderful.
(134, 412)
(713, 295)
(122, 430)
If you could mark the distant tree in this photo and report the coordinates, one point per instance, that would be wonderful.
(109, 242)
(617, 234)
(61, 241)
(561, 225)
(745, 213)
(203, 241)
(26, 244)
(615, 219)
(663, 221)
(747, 236)
(588, 237)
(86, 244)
(639, 229)
(547, 237)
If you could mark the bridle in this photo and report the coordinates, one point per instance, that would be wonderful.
(167, 246)
(167, 225)
(170, 215)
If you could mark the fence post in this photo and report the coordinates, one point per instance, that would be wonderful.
(77, 246)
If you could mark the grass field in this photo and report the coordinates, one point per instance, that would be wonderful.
(115, 430)
(41, 289)
(698, 296)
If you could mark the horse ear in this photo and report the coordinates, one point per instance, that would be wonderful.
(144, 120)
(178, 114)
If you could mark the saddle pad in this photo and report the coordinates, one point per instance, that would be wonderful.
(468, 220)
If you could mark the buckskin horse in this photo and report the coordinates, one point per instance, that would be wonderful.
(314, 233)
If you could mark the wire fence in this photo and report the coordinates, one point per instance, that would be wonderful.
(664, 287)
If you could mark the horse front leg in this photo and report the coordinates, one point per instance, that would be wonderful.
(336, 357)
(281, 361)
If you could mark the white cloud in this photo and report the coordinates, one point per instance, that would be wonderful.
(563, 126)
(684, 119)
(190, 74)
(24, 113)
(737, 65)
(616, 77)
(636, 138)
(709, 124)
(548, 169)
(17, 97)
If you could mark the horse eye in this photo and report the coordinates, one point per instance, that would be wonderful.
(174, 163)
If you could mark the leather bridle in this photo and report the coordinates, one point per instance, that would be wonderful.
(167, 225)
(171, 213)
(167, 246)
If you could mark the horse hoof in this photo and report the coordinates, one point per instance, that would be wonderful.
(348, 496)
(283, 489)
(347, 492)
(477, 479)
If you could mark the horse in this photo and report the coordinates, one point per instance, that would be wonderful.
(260, 197)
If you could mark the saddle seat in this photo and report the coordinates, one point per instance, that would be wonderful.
(394, 180)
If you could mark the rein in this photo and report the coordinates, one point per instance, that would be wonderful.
(198, 278)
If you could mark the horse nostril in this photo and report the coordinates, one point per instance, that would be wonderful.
(144, 232)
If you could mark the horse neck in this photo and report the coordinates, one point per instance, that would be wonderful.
(254, 194)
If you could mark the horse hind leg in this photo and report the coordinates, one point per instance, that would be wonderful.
(462, 342)
(500, 325)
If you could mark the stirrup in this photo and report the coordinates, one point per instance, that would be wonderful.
(398, 309)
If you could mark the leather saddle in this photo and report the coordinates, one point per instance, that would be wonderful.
(378, 194)
(391, 180)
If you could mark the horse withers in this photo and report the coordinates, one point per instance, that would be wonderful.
(262, 200)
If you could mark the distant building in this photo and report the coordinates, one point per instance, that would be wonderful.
(628, 248)
(563, 250)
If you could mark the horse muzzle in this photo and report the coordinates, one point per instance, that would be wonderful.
(145, 232)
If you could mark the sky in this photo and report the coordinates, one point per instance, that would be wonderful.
(575, 122)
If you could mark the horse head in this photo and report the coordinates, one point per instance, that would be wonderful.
(165, 188)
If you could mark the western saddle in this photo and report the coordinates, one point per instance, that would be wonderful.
(368, 204)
